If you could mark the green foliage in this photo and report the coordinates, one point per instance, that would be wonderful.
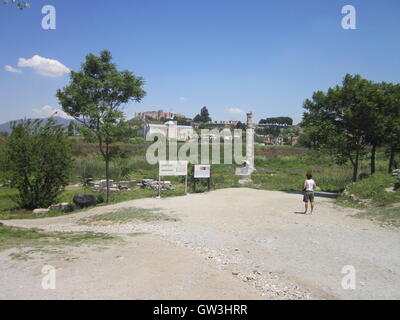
(130, 214)
(374, 188)
(389, 216)
(278, 121)
(21, 4)
(182, 121)
(71, 129)
(95, 97)
(36, 159)
(349, 120)
(11, 237)
(203, 117)
(344, 120)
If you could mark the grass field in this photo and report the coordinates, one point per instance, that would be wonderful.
(278, 168)
(12, 237)
(130, 214)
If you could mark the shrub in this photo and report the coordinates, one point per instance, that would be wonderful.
(37, 159)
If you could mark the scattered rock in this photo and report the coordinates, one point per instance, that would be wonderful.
(64, 207)
(40, 211)
(155, 185)
(84, 200)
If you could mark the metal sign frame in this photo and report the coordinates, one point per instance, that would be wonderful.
(208, 178)
(202, 167)
(172, 168)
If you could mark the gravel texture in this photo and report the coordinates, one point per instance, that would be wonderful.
(227, 244)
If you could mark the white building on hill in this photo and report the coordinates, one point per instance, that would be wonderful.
(170, 130)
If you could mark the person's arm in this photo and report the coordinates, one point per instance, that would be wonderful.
(315, 184)
(305, 185)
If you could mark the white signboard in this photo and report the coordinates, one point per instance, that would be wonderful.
(202, 171)
(173, 168)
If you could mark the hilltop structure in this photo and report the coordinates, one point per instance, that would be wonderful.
(170, 130)
(157, 115)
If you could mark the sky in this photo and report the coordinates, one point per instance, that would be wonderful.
(233, 56)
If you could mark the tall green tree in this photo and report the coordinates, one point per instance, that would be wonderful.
(392, 121)
(36, 159)
(71, 129)
(95, 97)
(203, 116)
(337, 121)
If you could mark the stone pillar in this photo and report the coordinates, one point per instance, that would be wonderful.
(248, 166)
(250, 141)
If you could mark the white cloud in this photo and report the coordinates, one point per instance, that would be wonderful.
(182, 99)
(235, 111)
(12, 69)
(44, 66)
(48, 111)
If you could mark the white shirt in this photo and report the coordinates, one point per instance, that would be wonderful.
(310, 185)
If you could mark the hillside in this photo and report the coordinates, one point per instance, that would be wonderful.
(6, 127)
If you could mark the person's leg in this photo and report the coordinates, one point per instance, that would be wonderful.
(306, 205)
(312, 202)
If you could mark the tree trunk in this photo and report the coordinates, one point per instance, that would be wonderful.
(355, 166)
(107, 159)
(373, 157)
(391, 159)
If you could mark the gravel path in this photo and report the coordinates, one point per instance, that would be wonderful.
(227, 244)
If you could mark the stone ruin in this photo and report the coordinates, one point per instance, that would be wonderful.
(156, 185)
(247, 168)
(101, 185)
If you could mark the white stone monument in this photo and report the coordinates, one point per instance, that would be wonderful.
(248, 165)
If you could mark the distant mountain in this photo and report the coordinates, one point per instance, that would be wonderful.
(6, 127)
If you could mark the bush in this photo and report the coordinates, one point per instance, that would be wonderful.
(37, 159)
(374, 188)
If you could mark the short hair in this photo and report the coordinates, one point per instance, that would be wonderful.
(309, 176)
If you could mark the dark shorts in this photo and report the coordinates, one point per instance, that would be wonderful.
(308, 196)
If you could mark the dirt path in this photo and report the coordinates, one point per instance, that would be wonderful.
(227, 244)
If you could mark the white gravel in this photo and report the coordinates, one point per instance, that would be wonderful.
(255, 240)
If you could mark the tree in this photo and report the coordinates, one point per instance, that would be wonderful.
(392, 121)
(240, 125)
(203, 117)
(20, 3)
(71, 129)
(36, 159)
(182, 121)
(95, 97)
(377, 118)
(278, 121)
(337, 121)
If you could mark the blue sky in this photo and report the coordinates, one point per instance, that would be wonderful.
(229, 55)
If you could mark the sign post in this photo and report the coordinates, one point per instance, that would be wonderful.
(172, 168)
(202, 171)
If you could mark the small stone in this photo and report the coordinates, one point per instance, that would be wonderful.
(235, 273)
(40, 211)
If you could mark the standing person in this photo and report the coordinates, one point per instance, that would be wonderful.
(308, 189)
